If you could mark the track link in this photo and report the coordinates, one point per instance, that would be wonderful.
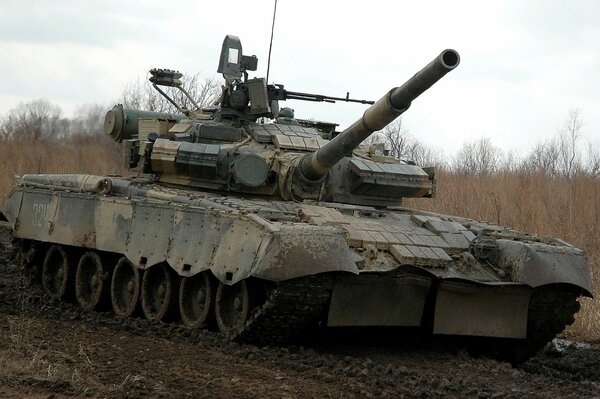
(290, 308)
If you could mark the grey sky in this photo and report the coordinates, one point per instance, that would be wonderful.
(524, 64)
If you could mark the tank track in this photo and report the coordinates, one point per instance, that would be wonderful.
(290, 308)
(551, 310)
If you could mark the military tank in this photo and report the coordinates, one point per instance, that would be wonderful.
(242, 216)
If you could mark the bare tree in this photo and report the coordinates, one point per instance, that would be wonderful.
(36, 120)
(423, 155)
(593, 159)
(5, 128)
(568, 140)
(511, 161)
(141, 95)
(396, 137)
(544, 157)
(88, 120)
(477, 157)
(403, 145)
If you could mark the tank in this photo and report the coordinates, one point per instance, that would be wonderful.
(242, 217)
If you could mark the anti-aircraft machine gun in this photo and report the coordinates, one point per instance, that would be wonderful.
(268, 228)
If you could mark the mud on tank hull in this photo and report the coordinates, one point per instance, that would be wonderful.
(264, 270)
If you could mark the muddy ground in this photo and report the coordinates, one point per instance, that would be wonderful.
(54, 350)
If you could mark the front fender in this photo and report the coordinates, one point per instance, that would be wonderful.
(537, 264)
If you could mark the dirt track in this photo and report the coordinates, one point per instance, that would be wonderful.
(49, 349)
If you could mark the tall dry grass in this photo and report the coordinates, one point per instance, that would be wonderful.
(78, 154)
(536, 203)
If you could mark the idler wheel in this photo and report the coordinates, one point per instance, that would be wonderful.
(125, 288)
(195, 299)
(159, 293)
(56, 272)
(232, 307)
(91, 285)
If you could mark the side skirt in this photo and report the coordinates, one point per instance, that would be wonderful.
(495, 310)
(378, 301)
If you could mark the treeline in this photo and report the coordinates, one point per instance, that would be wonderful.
(564, 154)
(41, 120)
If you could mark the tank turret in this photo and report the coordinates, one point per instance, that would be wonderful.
(227, 148)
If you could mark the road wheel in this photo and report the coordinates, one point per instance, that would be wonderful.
(91, 282)
(195, 299)
(56, 272)
(232, 307)
(159, 293)
(125, 288)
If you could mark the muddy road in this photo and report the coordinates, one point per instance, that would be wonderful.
(55, 350)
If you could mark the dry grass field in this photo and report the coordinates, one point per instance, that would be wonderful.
(79, 154)
(565, 208)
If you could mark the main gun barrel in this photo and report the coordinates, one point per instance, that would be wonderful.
(377, 116)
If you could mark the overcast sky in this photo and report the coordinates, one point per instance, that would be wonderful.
(524, 64)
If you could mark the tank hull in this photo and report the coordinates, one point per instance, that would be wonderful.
(374, 268)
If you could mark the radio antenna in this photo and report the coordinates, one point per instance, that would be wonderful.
(271, 43)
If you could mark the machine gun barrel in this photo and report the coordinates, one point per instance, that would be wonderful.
(295, 95)
(377, 116)
(277, 92)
